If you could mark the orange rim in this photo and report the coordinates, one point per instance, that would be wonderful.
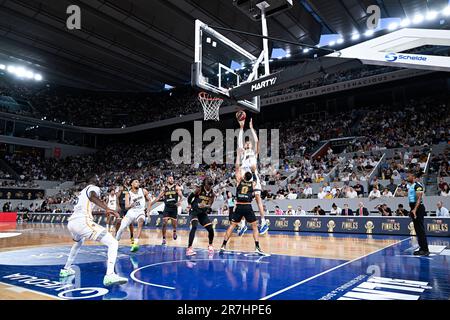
(208, 97)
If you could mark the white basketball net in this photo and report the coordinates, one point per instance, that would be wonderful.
(211, 106)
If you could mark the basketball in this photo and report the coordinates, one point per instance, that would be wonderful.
(241, 115)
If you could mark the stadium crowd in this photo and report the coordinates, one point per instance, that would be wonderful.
(340, 175)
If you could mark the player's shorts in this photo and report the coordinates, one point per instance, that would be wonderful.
(82, 228)
(201, 217)
(230, 213)
(170, 213)
(243, 210)
(135, 215)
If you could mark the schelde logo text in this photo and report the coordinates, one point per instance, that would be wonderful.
(392, 57)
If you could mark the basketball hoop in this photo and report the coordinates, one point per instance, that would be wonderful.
(210, 105)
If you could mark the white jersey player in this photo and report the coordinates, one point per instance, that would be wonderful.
(82, 226)
(249, 163)
(135, 203)
(112, 201)
(113, 204)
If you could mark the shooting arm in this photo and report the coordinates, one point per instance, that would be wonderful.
(241, 138)
(238, 165)
(255, 137)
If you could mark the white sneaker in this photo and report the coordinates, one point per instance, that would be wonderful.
(64, 273)
(190, 252)
(113, 279)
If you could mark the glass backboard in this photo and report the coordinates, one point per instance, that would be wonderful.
(221, 65)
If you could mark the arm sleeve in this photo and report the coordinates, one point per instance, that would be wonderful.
(190, 198)
(95, 189)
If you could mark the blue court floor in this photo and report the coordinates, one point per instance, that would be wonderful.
(165, 273)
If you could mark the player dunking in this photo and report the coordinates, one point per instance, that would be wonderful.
(135, 203)
(250, 164)
(82, 226)
(200, 202)
(243, 209)
(172, 200)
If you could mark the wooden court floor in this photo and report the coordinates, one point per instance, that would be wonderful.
(294, 244)
(318, 246)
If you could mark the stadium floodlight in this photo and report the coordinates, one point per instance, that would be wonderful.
(20, 72)
(392, 26)
(306, 50)
(29, 74)
(38, 77)
(11, 69)
(332, 43)
(446, 11)
(2, 67)
(369, 33)
(355, 36)
(288, 55)
(405, 23)
(340, 41)
(431, 15)
(418, 19)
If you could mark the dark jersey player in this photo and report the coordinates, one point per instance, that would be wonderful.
(172, 195)
(199, 203)
(418, 212)
(121, 194)
(243, 208)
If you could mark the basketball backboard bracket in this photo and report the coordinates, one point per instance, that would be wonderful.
(221, 65)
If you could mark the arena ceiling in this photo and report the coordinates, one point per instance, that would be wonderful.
(140, 45)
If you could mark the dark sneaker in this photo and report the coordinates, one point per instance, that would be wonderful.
(422, 253)
(222, 250)
(259, 251)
